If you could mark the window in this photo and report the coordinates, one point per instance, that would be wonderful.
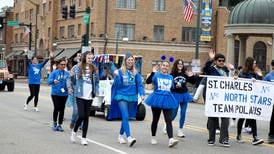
(91, 3)
(63, 3)
(72, 2)
(44, 9)
(92, 28)
(49, 32)
(21, 37)
(79, 2)
(49, 5)
(30, 14)
(62, 32)
(16, 38)
(71, 31)
(259, 54)
(26, 15)
(125, 30)
(38, 9)
(127, 4)
(1, 35)
(160, 5)
(17, 16)
(79, 29)
(188, 34)
(158, 33)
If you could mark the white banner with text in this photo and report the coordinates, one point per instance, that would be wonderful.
(239, 98)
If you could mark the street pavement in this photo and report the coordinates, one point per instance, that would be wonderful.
(27, 132)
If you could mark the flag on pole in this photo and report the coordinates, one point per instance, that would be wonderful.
(188, 12)
(26, 31)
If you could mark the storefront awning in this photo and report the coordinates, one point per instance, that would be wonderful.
(68, 53)
(14, 53)
(57, 52)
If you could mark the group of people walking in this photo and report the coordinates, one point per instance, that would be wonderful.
(170, 93)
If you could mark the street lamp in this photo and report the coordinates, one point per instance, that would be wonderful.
(36, 14)
(106, 42)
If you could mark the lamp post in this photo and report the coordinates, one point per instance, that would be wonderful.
(54, 46)
(36, 15)
(106, 42)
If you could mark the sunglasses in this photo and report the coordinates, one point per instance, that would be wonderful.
(63, 64)
(221, 60)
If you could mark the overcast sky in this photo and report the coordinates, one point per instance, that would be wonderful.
(6, 3)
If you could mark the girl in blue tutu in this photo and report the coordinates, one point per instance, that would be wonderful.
(162, 100)
(180, 91)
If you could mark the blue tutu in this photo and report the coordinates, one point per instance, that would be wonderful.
(182, 97)
(162, 100)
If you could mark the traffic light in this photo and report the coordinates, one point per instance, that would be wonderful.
(72, 11)
(65, 12)
(1, 23)
(84, 40)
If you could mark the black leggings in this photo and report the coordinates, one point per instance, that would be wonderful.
(34, 92)
(83, 115)
(59, 103)
(251, 122)
(156, 112)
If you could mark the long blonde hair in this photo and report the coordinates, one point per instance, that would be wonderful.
(124, 67)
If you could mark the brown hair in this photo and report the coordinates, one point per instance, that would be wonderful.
(82, 65)
(249, 62)
(175, 67)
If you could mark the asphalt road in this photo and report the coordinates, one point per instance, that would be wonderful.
(28, 132)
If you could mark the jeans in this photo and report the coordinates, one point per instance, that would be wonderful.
(183, 107)
(124, 108)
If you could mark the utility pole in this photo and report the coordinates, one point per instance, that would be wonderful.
(198, 31)
(30, 36)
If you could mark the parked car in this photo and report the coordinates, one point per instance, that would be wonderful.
(6, 78)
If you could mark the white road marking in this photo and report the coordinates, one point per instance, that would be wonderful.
(105, 146)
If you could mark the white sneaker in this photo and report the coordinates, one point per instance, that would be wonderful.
(121, 139)
(172, 142)
(84, 141)
(217, 131)
(153, 140)
(73, 137)
(25, 107)
(131, 141)
(164, 129)
(36, 109)
(180, 133)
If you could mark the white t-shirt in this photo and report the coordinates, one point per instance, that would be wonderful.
(87, 85)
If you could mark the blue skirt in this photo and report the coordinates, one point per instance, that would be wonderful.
(163, 101)
(182, 97)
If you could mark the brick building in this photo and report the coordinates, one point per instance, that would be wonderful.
(152, 28)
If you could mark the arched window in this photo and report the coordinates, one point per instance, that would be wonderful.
(259, 54)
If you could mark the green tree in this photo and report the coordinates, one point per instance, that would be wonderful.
(234, 2)
(6, 8)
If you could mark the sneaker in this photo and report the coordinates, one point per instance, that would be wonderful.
(84, 141)
(225, 144)
(71, 126)
(153, 140)
(25, 107)
(121, 139)
(270, 139)
(257, 141)
(172, 142)
(36, 109)
(164, 130)
(54, 127)
(131, 141)
(239, 139)
(180, 133)
(247, 130)
(217, 131)
(210, 142)
(59, 128)
(73, 137)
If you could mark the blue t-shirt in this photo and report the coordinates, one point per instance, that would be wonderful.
(59, 89)
(162, 82)
(269, 77)
(34, 72)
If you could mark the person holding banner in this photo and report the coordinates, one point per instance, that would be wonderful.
(162, 100)
(216, 67)
(270, 77)
(250, 71)
(180, 77)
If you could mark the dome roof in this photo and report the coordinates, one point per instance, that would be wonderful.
(253, 12)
